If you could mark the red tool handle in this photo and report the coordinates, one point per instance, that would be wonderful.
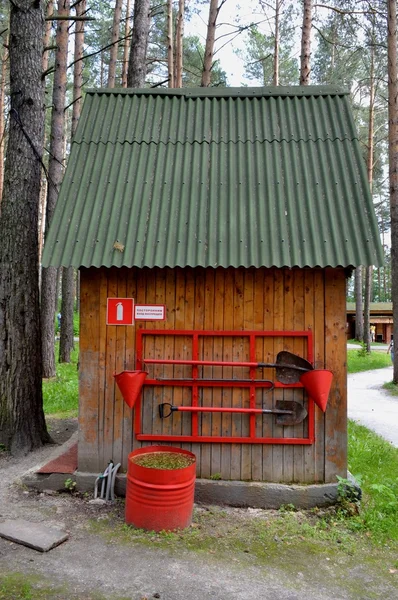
(199, 363)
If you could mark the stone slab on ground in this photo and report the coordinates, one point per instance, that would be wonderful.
(34, 535)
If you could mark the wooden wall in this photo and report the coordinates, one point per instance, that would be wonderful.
(216, 299)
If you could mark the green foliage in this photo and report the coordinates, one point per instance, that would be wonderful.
(358, 361)
(259, 56)
(347, 491)
(61, 395)
(70, 485)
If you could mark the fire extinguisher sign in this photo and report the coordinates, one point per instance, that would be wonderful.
(120, 311)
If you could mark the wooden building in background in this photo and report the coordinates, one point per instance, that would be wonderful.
(381, 318)
(222, 223)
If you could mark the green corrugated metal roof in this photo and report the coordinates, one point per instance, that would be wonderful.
(204, 177)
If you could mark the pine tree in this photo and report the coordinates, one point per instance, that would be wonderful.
(22, 422)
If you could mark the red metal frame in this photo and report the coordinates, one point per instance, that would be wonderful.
(195, 383)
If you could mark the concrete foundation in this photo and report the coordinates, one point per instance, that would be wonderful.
(230, 493)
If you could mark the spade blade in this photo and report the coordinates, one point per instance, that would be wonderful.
(289, 367)
(298, 412)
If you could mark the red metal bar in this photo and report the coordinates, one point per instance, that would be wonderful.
(212, 363)
(252, 392)
(228, 333)
(223, 440)
(197, 383)
(195, 390)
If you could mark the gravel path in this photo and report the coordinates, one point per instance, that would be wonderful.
(370, 405)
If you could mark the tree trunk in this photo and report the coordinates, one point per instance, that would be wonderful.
(358, 305)
(179, 43)
(170, 49)
(78, 66)
(55, 174)
(126, 50)
(43, 191)
(305, 56)
(210, 40)
(66, 344)
(369, 270)
(393, 161)
(115, 45)
(22, 422)
(276, 44)
(4, 60)
(139, 42)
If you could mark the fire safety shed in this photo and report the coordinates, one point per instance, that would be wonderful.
(215, 229)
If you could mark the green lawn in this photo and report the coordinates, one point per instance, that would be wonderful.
(60, 394)
(358, 360)
(374, 463)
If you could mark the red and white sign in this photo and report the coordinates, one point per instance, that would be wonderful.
(149, 312)
(120, 311)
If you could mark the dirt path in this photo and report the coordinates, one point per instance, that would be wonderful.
(98, 561)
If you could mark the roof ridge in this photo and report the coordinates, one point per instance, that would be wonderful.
(228, 92)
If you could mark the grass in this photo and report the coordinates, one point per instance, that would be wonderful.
(374, 463)
(358, 360)
(19, 586)
(60, 394)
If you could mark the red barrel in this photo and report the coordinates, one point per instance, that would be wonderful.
(160, 499)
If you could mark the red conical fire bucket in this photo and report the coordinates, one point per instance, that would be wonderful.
(130, 384)
(317, 384)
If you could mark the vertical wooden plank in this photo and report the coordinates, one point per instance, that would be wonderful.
(102, 329)
(206, 394)
(319, 363)
(248, 318)
(120, 348)
(130, 358)
(239, 395)
(88, 455)
(162, 290)
(226, 418)
(187, 308)
(198, 309)
(309, 323)
(277, 431)
(218, 354)
(288, 344)
(336, 413)
(269, 354)
(300, 349)
(258, 308)
(177, 308)
(141, 276)
(111, 336)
